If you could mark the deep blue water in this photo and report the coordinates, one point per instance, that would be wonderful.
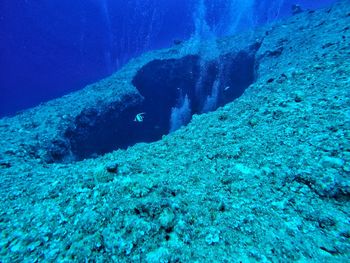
(50, 48)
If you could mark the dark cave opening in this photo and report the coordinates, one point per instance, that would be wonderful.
(164, 86)
(165, 83)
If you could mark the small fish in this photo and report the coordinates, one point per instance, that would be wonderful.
(296, 9)
(139, 117)
(227, 88)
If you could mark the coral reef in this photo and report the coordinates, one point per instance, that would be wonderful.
(264, 178)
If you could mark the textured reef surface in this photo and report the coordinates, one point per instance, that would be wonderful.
(264, 178)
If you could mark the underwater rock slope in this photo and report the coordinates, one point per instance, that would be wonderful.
(100, 118)
(264, 178)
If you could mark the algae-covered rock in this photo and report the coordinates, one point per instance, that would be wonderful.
(264, 178)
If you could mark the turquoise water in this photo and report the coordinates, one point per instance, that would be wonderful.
(221, 147)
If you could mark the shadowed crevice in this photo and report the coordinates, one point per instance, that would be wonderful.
(172, 91)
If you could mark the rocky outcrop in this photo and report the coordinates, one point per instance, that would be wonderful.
(264, 178)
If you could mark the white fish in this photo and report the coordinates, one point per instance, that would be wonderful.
(139, 117)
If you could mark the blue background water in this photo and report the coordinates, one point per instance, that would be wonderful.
(49, 48)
